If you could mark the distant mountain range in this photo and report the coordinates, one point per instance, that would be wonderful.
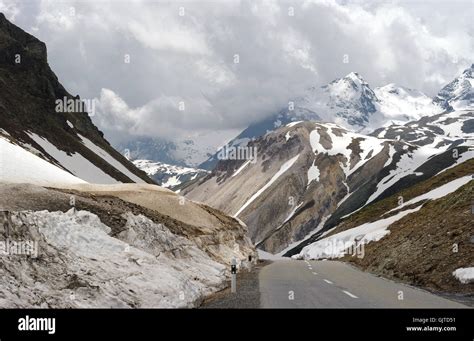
(183, 152)
(352, 104)
(169, 176)
(349, 102)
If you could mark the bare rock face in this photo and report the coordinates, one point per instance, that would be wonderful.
(28, 93)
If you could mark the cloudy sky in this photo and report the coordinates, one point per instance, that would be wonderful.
(234, 62)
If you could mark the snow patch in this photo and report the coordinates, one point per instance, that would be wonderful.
(437, 193)
(75, 163)
(464, 275)
(336, 245)
(241, 168)
(292, 124)
(109, 159)
(313, 173)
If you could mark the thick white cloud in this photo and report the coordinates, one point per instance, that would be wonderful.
(190, 58)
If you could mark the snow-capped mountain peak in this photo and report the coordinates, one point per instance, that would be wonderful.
(348, 101)
(355, 77)
(458, 94)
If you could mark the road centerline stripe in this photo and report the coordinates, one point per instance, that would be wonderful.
(328, 281)
(349, 294)
(315, 273)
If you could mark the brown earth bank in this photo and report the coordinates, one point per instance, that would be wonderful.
(424, 248)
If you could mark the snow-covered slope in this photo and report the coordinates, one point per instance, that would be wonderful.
(436, 130)
(18, 165)
(73, 162)
(399, 104)
(169, 176)
(109, 159)
(337, 245)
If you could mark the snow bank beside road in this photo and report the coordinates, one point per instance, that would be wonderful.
(145, 265)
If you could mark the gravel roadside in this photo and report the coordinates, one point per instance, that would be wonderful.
(247, 295)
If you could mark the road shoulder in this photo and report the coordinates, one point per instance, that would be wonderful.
(247, 295)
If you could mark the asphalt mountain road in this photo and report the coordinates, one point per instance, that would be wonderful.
(332, 284)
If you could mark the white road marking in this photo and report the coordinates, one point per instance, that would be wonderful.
(349, 294)
(315, 273)
(328, 281)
